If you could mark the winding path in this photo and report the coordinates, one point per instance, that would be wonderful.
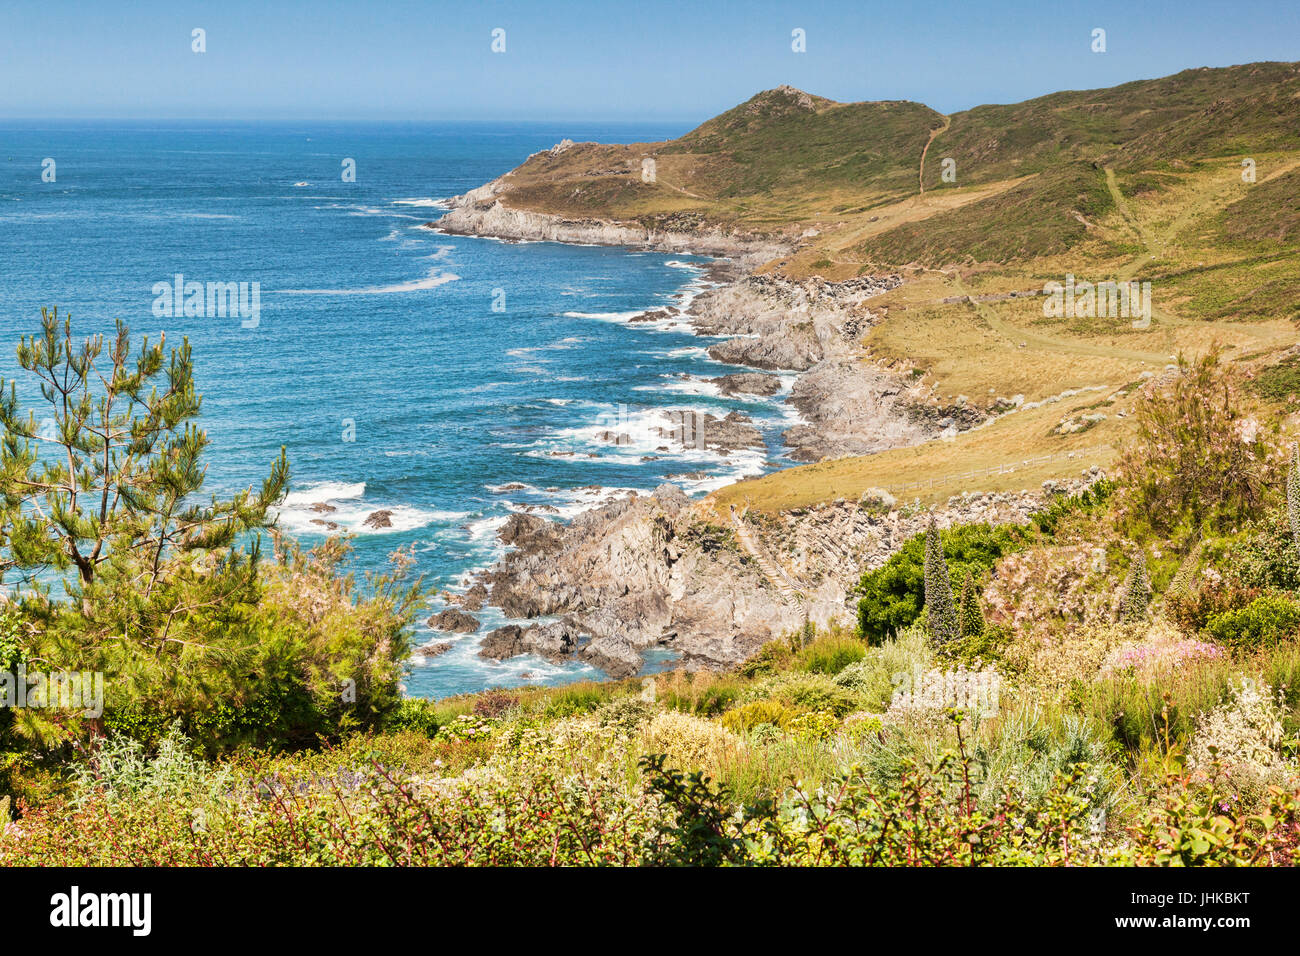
(934, 134)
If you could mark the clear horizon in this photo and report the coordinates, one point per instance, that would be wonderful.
(659, 61)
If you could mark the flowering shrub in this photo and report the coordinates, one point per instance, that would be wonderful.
(1207, 595)
(1160, 650)
(1197, 462)
(690, 742)
(756, 712)
(1040, 589)
(467, 727)
(814, 725)
(1241, 738)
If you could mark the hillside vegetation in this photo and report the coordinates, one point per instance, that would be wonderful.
(1118, 684)
(1113, 678)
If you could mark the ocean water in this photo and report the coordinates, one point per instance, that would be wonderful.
(403, 370)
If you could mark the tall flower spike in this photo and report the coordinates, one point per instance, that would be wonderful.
(939, 609)
(1137, 591)
(1293, 493)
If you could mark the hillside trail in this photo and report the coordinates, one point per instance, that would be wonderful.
(934, 134)
(788, 590)
(1016, 335)
(1156, 246)
(685, 192)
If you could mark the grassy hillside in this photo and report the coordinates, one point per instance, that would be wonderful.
(784, 140)
(1001, 141)
(781, 158)
(1142, 182)
(1044, 216)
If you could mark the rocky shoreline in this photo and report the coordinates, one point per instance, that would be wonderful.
(809, 327)
(657, 570)
(481, 212)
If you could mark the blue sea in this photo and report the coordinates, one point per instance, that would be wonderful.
(403, 370)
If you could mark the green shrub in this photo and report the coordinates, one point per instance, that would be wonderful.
(1061, 507)
(872, 680)
(690, 743)
(893, 595)
(575, 699)
(940, 614)
(748, 716)
(970, 616)
(1196, 464)
(1155, 714)
(625, 714)
(830, 654)
(771, 657)
(1192, 610)
(802, 691)
(415, 714)
(1264, 622)
(1267, 558)
(982, 648)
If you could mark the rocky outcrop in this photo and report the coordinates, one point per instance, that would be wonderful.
(453, 620)
(747, 383)
(485, 212)
(646, 571)
(851, 407)
(471, 600)
(555, 641)
(795, 349)
(730, 433)
(849, 404)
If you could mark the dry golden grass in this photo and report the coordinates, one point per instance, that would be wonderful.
(1005, 443)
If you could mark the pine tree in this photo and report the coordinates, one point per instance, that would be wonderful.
(1293, 494)
(1137, 591)
(939, 609)
(969, 616)
(109, 491)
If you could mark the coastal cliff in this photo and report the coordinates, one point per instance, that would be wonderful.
(658, 570)
(484, 212)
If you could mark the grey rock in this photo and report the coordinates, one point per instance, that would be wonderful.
(453, 620)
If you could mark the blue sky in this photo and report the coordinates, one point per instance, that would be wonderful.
(586, 60)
